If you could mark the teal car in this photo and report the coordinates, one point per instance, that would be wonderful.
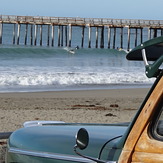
(141, 140)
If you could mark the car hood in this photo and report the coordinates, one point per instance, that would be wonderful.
(60, 138)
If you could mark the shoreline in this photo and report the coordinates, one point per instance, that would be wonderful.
(91, 87)
(79, 93)
(84, 106)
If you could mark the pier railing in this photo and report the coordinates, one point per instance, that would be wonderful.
(112, 33)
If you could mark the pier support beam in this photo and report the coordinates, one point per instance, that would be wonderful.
(109, 36)
(48, 36)
(89, 37)
(18, 33)
(66, 35)
(149, 33)
(136, 36)
(62, 35)
(70, 35)
(1, 31)
(82, 41)
(52, 35)
(96, 46)
(35, 35)
(102, 38)
(59, 35)
(14, 29)
(31, 34)
(114, 38)
(128, 46)
(122, 37)
(154, 32)
(141, 35)
(40, 35)
(26, 32)
(161, 31)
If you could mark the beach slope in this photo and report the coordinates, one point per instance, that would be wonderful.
(84, 106)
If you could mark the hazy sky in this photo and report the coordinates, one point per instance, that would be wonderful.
(121, 9)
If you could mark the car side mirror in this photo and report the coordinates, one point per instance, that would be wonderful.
(82, 139)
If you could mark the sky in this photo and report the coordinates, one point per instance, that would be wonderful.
(116, 9)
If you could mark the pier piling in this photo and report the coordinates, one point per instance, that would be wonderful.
(52, 35)
(154, 32)
(89, 37)
(40, 35)
(1, 31)
(109, 37)
(59, 35)
(70, 35)
(66, 35)
(62, 35)
(31, 34)
(18, 33)
(26, 31)
(161, 32)
(14, 28)
(48, 35)
(149, 33)
(114, 36)
(102, 38)
(35, 35)
(141, 35)
(128, 47)
(96, 37)
(121, 38)
(136, 36)
(82, 41)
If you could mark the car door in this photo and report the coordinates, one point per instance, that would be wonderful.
(149, 148)
(144, 143)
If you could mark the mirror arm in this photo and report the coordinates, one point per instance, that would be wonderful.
(90, 158)
(75, 147)
(151, 70)
(144, 57)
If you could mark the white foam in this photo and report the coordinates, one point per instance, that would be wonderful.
(69, 78)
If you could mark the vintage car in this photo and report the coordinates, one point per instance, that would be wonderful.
(141, 140)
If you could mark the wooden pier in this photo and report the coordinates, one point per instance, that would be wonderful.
(92, 32)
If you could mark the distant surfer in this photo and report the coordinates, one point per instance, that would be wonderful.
(120, 49)
(77, 47)
(72, 51)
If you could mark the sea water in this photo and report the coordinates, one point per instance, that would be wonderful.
(35, 68)
(47, 68)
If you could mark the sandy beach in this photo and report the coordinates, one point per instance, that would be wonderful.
(85, 106)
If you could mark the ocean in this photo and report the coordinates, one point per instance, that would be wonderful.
(36, 68)
(25, 68)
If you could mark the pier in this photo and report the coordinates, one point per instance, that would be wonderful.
(84, 32)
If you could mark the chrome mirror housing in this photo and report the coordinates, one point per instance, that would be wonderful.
(82, 139)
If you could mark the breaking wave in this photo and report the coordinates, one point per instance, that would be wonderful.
(55, 67)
